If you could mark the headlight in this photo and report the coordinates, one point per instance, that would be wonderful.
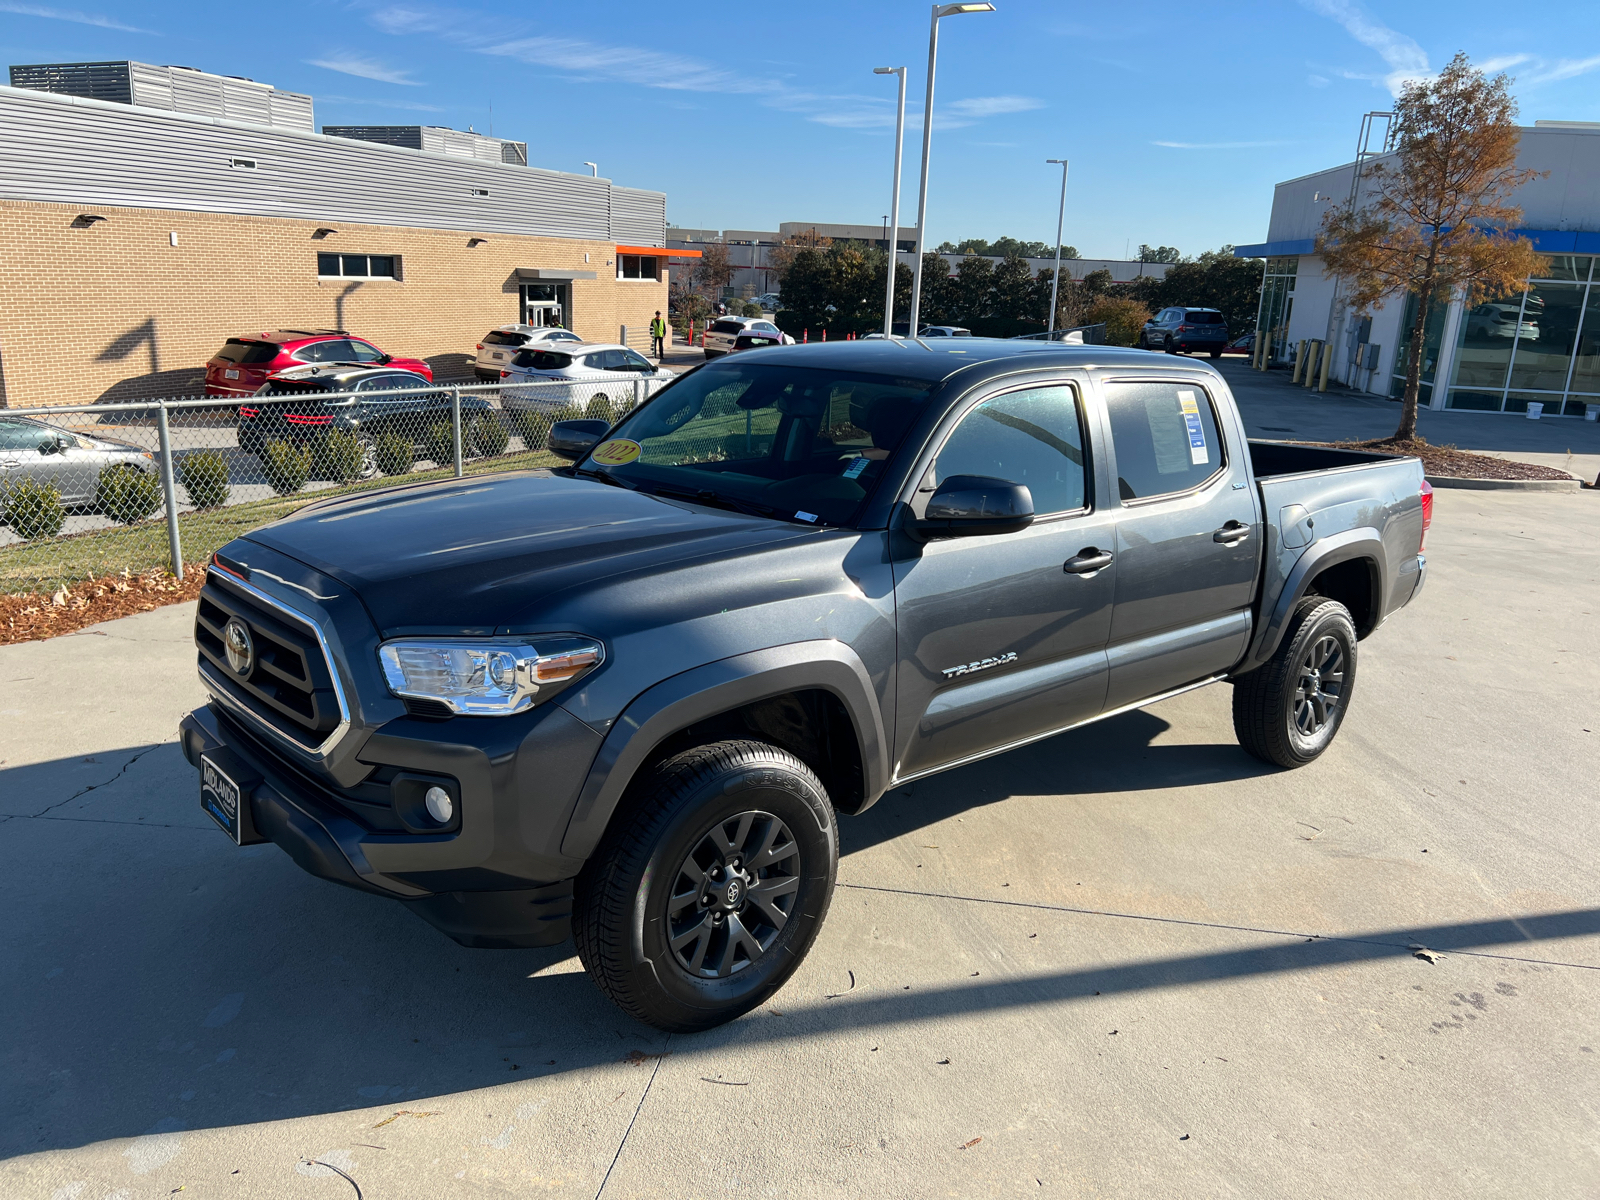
(487, 678)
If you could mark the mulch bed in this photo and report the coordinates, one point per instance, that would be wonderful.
(31, 617)
(1457, 464)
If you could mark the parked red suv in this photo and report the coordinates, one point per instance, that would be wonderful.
(242, 366)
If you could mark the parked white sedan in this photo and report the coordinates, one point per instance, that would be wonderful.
(724, 332)
(544, 378)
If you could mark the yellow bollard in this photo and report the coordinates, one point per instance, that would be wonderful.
(1322, 384)
(1299, 361)
(1310, 378)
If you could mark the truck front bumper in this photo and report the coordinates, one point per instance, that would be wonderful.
(486, 881)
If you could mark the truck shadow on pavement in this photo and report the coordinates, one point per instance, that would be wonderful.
(156, 978)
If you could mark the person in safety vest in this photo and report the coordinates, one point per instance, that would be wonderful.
(658, 336)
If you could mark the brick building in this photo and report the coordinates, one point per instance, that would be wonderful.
(137, 239)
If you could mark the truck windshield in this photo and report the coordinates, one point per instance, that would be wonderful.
(798, 443)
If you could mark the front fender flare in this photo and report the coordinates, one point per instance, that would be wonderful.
(1327, 552)
(717, 687)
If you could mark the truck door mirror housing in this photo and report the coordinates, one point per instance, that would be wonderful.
(571, 440)
(972, 505)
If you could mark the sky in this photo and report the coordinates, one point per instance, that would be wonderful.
(1177, 119)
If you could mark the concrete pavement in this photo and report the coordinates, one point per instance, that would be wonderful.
(1130, 961)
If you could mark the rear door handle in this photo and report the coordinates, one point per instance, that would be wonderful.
(1231, 534)
(1087, 561)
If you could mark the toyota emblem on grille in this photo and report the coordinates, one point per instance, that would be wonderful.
(240, 649)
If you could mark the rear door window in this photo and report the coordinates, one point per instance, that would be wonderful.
(1164, 435)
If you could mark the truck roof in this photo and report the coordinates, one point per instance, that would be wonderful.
(937, 359)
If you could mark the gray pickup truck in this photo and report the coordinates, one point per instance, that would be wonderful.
(627, 697)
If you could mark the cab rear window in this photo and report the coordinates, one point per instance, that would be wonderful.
(246, 353)
(543, 360)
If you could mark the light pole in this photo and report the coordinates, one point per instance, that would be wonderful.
(939, 10)
(1061, 216)
(594, 169)
(891, 232)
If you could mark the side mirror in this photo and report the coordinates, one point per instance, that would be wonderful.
(972, 505)
(571, 440)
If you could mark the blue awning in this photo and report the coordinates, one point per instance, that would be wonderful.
(1546, 241)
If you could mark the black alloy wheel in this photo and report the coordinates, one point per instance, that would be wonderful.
(709, 886)
(1168, 346)
(1288, 711)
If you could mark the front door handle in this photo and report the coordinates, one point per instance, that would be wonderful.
(1231, 534)
(1087, 561)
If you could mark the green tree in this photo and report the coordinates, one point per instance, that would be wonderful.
(1014, 296)
(1160, 254)
(974, 295)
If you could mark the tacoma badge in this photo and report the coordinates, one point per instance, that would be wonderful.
(983, 664)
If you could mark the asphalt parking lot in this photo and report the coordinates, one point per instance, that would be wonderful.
(1129, 961)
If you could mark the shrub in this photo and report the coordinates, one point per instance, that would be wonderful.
(286, 466)
(752, 309)
(126, 494)
(32, 509)
(205, 477)
(486, 435)
(440, 444)
(531, 426)
(1123, 318)
(395, 454)
(340, 455)
(600, 409)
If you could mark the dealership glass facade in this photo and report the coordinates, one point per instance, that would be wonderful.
(1540, 345)
(1432, 338)
(1277, 302)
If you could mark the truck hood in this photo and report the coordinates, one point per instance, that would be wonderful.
(472, 556)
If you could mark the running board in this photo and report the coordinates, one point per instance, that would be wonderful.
(898, 780)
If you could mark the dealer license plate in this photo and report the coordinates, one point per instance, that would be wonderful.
(220, 796)
(230, 374)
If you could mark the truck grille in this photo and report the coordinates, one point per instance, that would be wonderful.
(288, 682)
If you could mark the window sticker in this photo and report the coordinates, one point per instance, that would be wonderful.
(1198, 453)
(856, 467)
(616, 452)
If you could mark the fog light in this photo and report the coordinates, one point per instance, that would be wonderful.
(440, 807)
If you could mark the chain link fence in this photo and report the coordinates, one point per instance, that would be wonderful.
(88, 491)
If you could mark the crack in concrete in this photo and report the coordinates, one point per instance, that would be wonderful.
(95, 786)
(615, 1158)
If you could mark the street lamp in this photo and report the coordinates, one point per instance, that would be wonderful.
(891, 232)
(1061, 216)
(939, 10)
(594, 169)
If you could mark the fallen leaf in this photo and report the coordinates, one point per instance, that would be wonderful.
(974, 1141)
(404, 1112)
(1425, 954)
(634, 1057)
(943, 1062)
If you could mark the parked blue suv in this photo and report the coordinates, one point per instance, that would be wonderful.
(1189, 330)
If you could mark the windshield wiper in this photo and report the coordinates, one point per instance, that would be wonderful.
(605, 477)
(715, 500)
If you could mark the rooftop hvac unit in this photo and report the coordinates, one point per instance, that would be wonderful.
(438, 139)
(173, 89)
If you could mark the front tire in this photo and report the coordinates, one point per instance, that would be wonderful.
(705, 896)
(1288, 711)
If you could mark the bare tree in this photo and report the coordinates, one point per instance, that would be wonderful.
(714, 271)
(1440, 220)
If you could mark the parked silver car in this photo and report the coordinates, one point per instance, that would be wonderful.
(500, 346)
(69, 460)
(724, 332)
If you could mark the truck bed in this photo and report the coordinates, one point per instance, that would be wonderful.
(1269, 459)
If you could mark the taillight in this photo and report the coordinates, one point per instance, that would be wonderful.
(505, 374)
(248, 412)
(1427, 511)
(480, 344)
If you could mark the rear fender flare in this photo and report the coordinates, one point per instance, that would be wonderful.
(1328, 552)
(715, 688)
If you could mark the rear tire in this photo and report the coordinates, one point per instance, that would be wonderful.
(1216, 354)
(1168, 347)
(705, 895)
(1288, 711)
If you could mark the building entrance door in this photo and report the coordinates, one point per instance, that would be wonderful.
(545, 304)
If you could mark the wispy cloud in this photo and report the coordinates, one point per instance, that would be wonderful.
(993, 106)
(1217, 145)
(370, 103)
(1505, 62)
(77, 18)
(1406, 60)
(1318, 81)
(364, 68)
(1564, 68)
(591, 61)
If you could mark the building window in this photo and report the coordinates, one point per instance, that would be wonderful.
(636, 266)
(1277, 302)
(358, 266)
(242, 164)
(1538, 345)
